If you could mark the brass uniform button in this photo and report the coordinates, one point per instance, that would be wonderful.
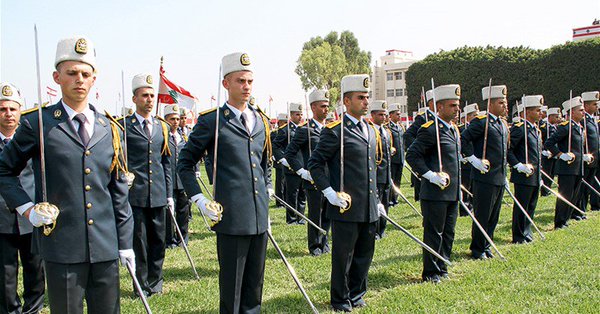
(91, 222)
(87, 187)
(88, 171)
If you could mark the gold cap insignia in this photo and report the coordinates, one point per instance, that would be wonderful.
(384, 105)
(244, 59)
(57, 113)
(299, 107)
(81, 46)
(133, 120)
(366, 82)
(457, 91)
(327, 94)
(226, 112)
(541, 101)
(149, 79)
(175, 108)
(7, 91)
(504, 91)
(597, 96)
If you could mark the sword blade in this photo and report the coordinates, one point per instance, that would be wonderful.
(290, 207)
(506, 187)
(40, 119)
(397, 190)
(138, 288)
(485, 235)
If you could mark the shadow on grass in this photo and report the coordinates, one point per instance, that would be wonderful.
(187, 274)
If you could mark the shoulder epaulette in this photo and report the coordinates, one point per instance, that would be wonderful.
(207, 111)
(119, 119)
(113, 120)
(518, 124)
(564, 123)
(420, 113)
(283, 126)
(333, 124)
(427, 124)
(481, 117)
(24, 112)
(461, 125)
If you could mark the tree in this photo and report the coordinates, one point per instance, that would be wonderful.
(324, 61)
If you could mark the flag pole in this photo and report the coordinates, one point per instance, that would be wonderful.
(159, 80)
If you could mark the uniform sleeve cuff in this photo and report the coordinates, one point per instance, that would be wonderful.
(23, 208)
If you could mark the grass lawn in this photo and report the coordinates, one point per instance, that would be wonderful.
(559, 274)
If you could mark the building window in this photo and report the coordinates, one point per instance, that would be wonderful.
(390, 76)
(390, 93)
(398, 75)
(399, 92)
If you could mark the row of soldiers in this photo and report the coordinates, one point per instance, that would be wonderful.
(111, 184)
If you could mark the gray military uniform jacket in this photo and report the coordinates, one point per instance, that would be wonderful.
(360, 170)
(10, 221)
(243, 170)
(149, 161)
(95, 218)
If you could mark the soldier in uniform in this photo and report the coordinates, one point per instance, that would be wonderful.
(279, 177)
(353, 231)
(547, 128)
(591, 98)
(525, 169)
(242, 186)
(16, 230)
(470, 112)
(422, 117)
(294, 193)
(488, 180)
(182, 205)
(183, 127)
(439, 193)
(397, 144)
(569, 164)
(152, 190)
(95, 224)
(379, 113)
(590, 105)
(319, 105)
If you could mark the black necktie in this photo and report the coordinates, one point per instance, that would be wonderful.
(244, 118)
(360, 126)
(83, 134)
(146, 128)
(6, 140)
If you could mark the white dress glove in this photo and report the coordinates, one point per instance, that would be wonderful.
(126, 256)
(523, 169)
(201, 202)
(435, 178)
(38, 220)
(271, 192)
(305, 174)
(546, 153)
(587, 157)
(381, 210)
(565, 157)
(171, 204)
(198, 174)
(284, 162)
(333, 198)
(477, 164)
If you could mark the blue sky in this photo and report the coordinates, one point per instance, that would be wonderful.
(131, 36)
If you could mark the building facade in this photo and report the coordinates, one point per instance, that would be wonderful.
(389, 77)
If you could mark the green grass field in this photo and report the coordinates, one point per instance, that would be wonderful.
(559, 274)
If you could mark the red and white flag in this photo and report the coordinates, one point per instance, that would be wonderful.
(586, 32)
(170, 93)
(51, 91)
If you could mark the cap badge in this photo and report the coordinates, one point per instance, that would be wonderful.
(244, 59)
(457, 91)
(384, 105)
(541, 101)
(81, 46)
(7, 91)
(504, 91)
(149, 79)
(57, 113)
(175, 108)
(327, 94)
(366, 82)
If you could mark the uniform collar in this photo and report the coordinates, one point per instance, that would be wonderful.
(141, 119)
(319, 125)
(354, 120)
(87, 112)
